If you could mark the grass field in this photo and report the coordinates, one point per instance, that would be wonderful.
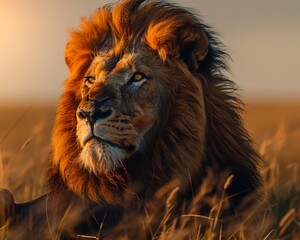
(25, 134)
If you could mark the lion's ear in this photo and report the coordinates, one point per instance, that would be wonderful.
(188, 43)
(193, 47)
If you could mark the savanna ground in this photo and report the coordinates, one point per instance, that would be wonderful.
(25, 134)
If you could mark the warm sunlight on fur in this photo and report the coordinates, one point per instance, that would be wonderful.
(148, 136)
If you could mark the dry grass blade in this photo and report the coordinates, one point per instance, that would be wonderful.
(86, 237)
(225, 186)
(47, 218)
(170, 198)
(286, 221)
(164, 223)
(101, 224)
(26, 143)
(199, 216)
(228, 181)
(62, 222)
(15, 124)
(290, 214)
(220, 234)
(266, 237)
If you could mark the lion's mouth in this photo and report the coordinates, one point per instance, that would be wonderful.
(102, 140)
(99, 154)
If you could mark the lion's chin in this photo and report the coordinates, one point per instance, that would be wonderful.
(98, 157)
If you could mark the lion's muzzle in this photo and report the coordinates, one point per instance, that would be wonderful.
(92, 114)
(106, 136)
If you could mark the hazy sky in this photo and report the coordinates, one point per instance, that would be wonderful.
(262, 37)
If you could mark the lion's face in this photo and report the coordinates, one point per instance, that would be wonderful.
(133, 109)
(121, 102)
(146, 103)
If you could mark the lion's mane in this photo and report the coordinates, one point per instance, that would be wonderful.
(173, 33)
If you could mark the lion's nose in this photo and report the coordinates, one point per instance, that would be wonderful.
(93, 116)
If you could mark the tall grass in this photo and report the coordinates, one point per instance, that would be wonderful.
(22, 170)
(282, 187)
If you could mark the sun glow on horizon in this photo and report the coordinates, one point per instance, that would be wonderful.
(33, 35)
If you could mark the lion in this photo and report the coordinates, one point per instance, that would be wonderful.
(146, 117)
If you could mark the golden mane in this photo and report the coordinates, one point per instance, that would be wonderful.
(190, 154)
(182, 41)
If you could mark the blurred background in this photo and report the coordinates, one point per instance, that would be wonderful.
(262, 37)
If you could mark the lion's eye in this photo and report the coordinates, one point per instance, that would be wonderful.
(89, 80)
(138, 76)
(136, 81)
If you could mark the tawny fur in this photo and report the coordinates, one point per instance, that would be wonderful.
(200, 131)
(180, 39)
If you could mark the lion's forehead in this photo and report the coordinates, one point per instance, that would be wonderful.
(108, 62)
